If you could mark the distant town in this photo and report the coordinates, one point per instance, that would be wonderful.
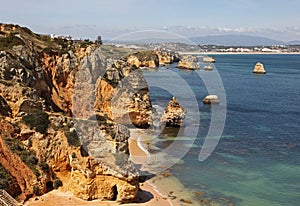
(189, 48)
(251, 49)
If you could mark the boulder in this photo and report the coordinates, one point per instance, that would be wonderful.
(174, 114)
(92, 179)
(211, 99)
(259, 68)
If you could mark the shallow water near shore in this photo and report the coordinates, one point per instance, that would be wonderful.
(257, 159)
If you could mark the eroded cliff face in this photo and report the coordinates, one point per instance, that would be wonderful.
(143, 59)
(189, 62)
(13, 164)
(62, 117)
(167, 57)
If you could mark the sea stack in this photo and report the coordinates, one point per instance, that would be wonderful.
(259, 68)
(174, 114)
(211, 99)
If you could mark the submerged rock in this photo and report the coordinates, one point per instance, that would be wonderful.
(211, 99)
(174, 114)
(259, 68)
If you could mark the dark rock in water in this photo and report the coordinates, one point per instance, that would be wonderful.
(174, 114)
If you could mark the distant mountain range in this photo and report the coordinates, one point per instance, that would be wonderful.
(239, 40)
(222, 40)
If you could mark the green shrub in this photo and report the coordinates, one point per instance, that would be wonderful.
(44, 166)
(10, 41)
(73, 139)
(74, 155)
(36, 190)
(7, 75)
(26, 30)
(29, 142)
(32, 159)
(38, 120)
(5, 179)
(57, 183)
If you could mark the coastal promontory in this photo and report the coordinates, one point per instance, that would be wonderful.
(64, 110)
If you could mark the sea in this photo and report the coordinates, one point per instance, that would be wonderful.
(256, 158)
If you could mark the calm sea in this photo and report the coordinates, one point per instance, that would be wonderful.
(257, 161)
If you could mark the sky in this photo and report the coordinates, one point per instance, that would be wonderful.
(276, 19)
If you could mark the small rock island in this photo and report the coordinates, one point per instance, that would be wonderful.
(211, 99)
(259, 68)
(174, 114)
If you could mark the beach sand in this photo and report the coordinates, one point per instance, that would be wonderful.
(162, 189)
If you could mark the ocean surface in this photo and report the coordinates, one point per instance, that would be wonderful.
(257, 160)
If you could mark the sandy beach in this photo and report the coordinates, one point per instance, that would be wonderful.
(162, 189)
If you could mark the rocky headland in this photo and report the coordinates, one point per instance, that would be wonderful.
(64, 108)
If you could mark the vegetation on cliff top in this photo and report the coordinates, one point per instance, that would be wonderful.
(7, 42)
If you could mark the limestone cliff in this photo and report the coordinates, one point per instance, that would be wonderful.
(143, 59)
(63, 107)
(189, 62)
(167, 57)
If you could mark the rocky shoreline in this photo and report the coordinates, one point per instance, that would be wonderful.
(65, 108)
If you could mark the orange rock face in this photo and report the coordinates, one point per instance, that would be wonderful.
(13, 163)
(38, 77)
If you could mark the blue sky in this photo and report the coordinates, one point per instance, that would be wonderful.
(278, 19)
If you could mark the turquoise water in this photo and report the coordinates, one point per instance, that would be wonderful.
(257, 159)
